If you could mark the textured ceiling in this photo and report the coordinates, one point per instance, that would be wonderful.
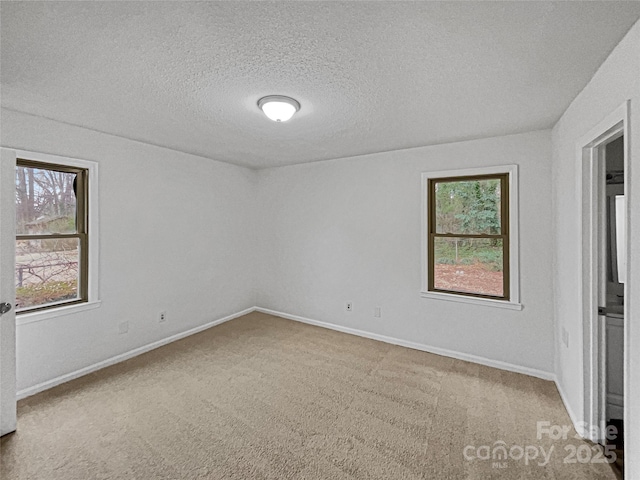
(370, 77)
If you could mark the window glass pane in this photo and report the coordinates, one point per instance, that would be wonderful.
(45, 201)
(468, 207)
(46, 271)
(469, 265)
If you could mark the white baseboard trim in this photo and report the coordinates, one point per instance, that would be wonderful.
(27, 392)
(417, 346)
(577, 423)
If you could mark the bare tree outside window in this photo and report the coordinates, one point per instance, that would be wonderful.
(51, 242)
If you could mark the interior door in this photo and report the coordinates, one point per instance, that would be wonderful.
(7, 292)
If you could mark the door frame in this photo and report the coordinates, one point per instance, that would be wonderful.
(593, 245)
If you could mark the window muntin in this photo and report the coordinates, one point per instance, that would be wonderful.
(52, 235)
(468, 236)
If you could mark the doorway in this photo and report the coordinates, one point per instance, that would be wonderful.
(615, 266)
(604, 158)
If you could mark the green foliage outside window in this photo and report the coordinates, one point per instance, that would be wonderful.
(468, 207)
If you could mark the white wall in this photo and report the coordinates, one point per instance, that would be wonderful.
(327, 233)
(175, 236)
(350, 230)
(617, 80)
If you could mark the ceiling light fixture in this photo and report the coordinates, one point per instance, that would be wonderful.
(278, 108)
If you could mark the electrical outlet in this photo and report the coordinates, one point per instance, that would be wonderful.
(376, 312)
(349, 306)
(123, 327)
(162, 317)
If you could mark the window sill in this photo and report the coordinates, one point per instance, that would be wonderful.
(23, 318)
(487, 302)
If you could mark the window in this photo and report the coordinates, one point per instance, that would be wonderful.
(53, 245)
(470, 241)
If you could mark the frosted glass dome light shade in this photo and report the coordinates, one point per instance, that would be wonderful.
(278, 108)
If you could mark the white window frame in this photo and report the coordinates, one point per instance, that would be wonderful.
(514, 241)
(93, 300)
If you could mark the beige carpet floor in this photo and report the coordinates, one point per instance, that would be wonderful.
(261, 397)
